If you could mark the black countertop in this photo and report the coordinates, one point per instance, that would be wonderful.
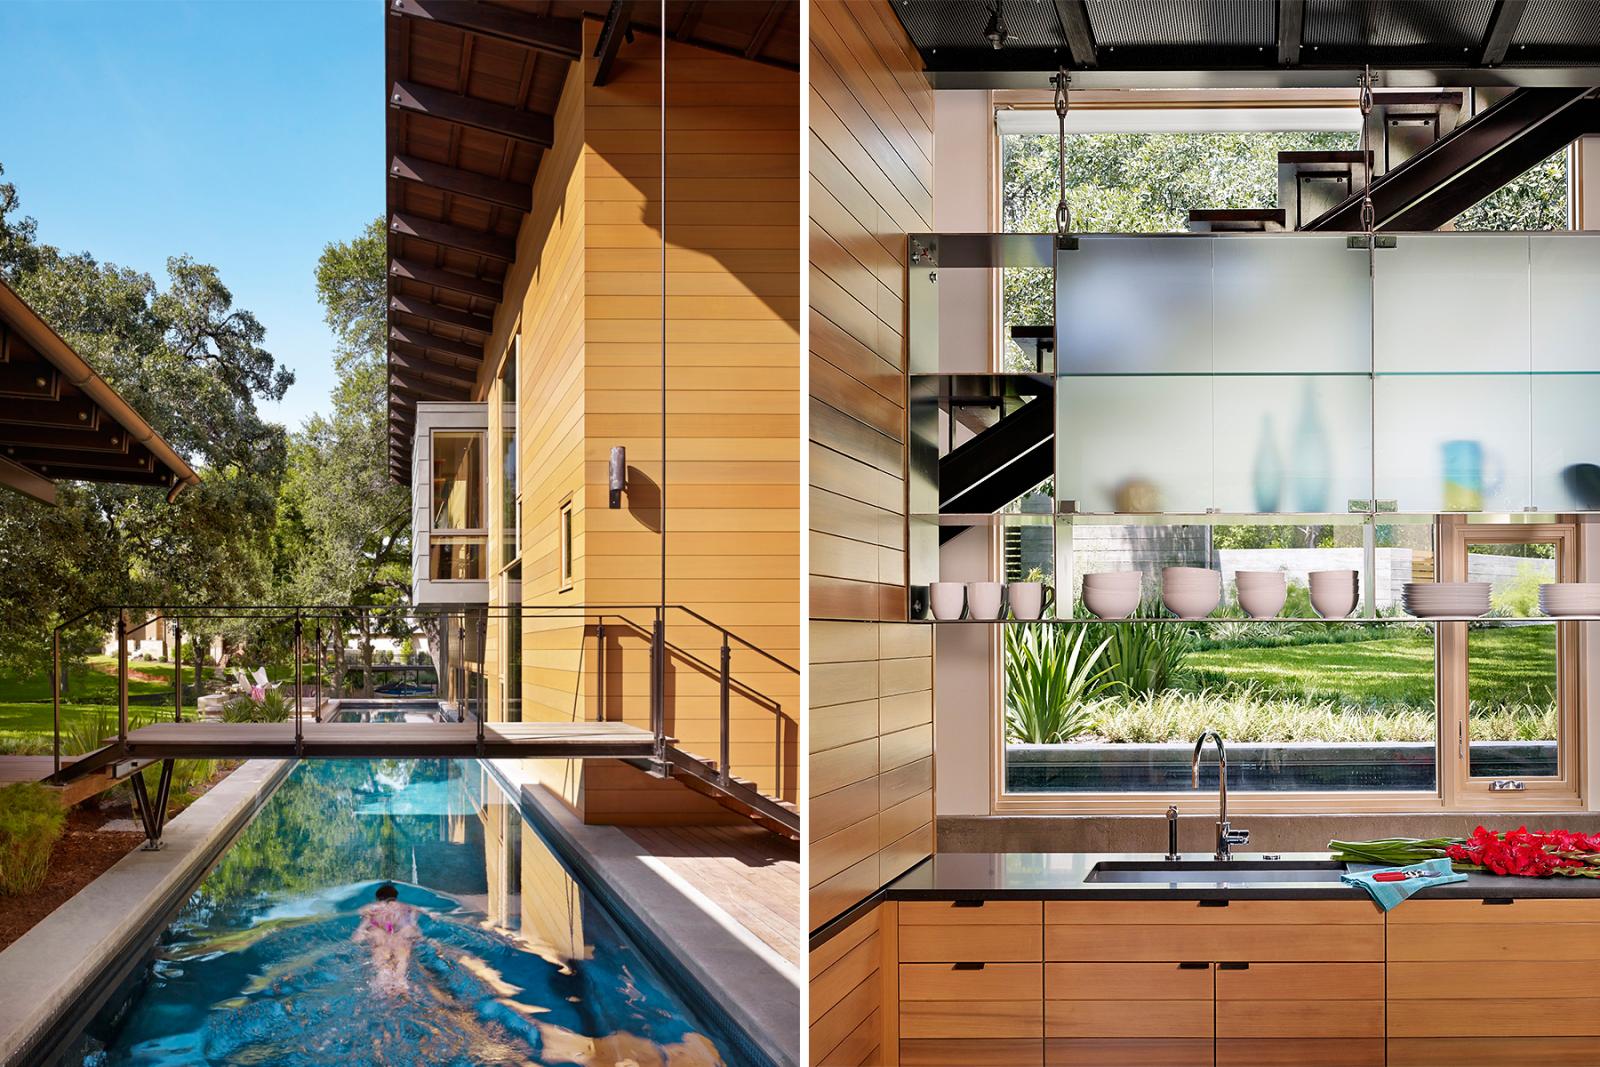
(1061, 876)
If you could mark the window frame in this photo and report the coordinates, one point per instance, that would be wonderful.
(438, 534)
(511, 357)
(565, 537)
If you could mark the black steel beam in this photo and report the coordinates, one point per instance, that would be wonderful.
(531, 127)
(514, 195)
(998, 465)
(543, 33)
(445, 316)
(448, 235)
(1291, 31)
(619, 17)
(769, 25)
(424, 389)
(443, 346)
(440, 278)
(1074, 17)
(423, 367)
(1502, 27)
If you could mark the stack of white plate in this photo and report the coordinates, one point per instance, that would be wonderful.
(1570, 598)
(1111, 594)
(1191, 592)
(1432, 600)
(1333, 593)
(1261, 593)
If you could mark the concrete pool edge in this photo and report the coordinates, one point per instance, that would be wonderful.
(757, 989)
(46, 973)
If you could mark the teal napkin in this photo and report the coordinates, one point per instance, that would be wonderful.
(1387, 894)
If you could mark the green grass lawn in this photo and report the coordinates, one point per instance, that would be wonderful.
(1506, 665)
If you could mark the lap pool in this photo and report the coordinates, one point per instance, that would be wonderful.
(517, 962)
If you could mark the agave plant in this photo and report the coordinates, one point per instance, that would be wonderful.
(1049, 679)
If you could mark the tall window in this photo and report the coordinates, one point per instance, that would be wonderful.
(566, 545)
(510, 495)
(457, 538)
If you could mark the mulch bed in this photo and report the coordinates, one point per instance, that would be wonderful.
(84, 853)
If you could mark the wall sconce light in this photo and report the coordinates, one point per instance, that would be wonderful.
(618, 474)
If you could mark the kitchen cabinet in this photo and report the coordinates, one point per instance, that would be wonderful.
(1492, 981)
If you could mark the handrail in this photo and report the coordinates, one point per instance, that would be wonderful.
(299, 614)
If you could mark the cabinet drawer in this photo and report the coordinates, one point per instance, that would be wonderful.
(1300, 1018)
(966, 913)
(1489, 1051)
(1422, 912)
(1499, 980)
(1208, 913)
(1303, 1052)
(1127, 981)
(1264, 943)
(989, 944)
(1024, 1052)
(1448, 942)
(1301, 981)
(1129, 1018)
(1128, 1052)
(971, 1019)
(1550, 1017)
(955, 981)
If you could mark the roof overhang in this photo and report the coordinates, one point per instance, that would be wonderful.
(60, 421)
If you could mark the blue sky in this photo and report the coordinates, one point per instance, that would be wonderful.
(246, 134)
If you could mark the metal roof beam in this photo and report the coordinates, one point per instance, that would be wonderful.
(443, 346)
(445, 316)
(1074, 17)
(460, 182)
(1502, 27)
(543, 33)
(531, 127)
(1291, 31)
(447, 235)
(619, 17)
(440, 278)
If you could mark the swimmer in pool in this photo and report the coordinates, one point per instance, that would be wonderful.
(388, 928)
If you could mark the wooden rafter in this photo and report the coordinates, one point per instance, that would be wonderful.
(422, 340)
(769, 25)
(29, 381)
(514, 195)
(426, 388)
(445, 279)
(444, 316)
(543, 33)
(423, 367)
(619, 19)
(448, 235)
(532, 127)
(43, 459)
(108, 438)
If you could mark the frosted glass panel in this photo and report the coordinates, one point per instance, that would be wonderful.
(1452, 303)
(1292, 444)
(1290, 305)
(1135, 305)
(1135, 444)
(1566, 442)
(1453, 442)
(1566, 317)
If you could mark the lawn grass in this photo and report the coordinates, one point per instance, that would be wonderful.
(1507, 666)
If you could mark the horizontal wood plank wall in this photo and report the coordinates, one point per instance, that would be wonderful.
(870, 731)
(731, 477)
(852, 1009)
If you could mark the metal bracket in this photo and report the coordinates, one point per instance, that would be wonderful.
(1359, 240)
(924, 252)
(152, 816)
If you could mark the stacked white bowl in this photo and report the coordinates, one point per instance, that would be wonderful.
(1570, 598)
(1191, 592)
(1112, 594)
(1261, 593)
(1333, 593)
(1433, 600)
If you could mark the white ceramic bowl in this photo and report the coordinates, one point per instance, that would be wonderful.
(1113, 578)
(1179, 573)
(945, 599)
(1335, 603)
(984, 599)
(1110, 603)
(1261, 593)
(1259, 578)
(1189, 603)
(1026, 599)
(1332, 578)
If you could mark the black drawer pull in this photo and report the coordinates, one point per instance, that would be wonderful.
(966, 904)
(1233, 966)
(1193, 966)
(968, 967)
(1213, 903)
(1499, 900)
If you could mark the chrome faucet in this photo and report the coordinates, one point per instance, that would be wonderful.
(1227, 836)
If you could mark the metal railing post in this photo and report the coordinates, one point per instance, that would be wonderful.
(322, 661)
(55, 693)
(658, 683)
(299, 742)
(482, 699)
(177, 673)
(122, 676)
(722, 767)
(600, 671)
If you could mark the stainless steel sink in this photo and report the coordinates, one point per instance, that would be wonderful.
(1213, 872)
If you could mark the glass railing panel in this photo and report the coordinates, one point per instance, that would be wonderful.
(1297, 444)
(1290, 304)
(1452, 443)
(1134, 305)
(1135, 444)
(1565, 282)
(1452, 304)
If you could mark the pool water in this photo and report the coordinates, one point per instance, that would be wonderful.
(517, 963)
